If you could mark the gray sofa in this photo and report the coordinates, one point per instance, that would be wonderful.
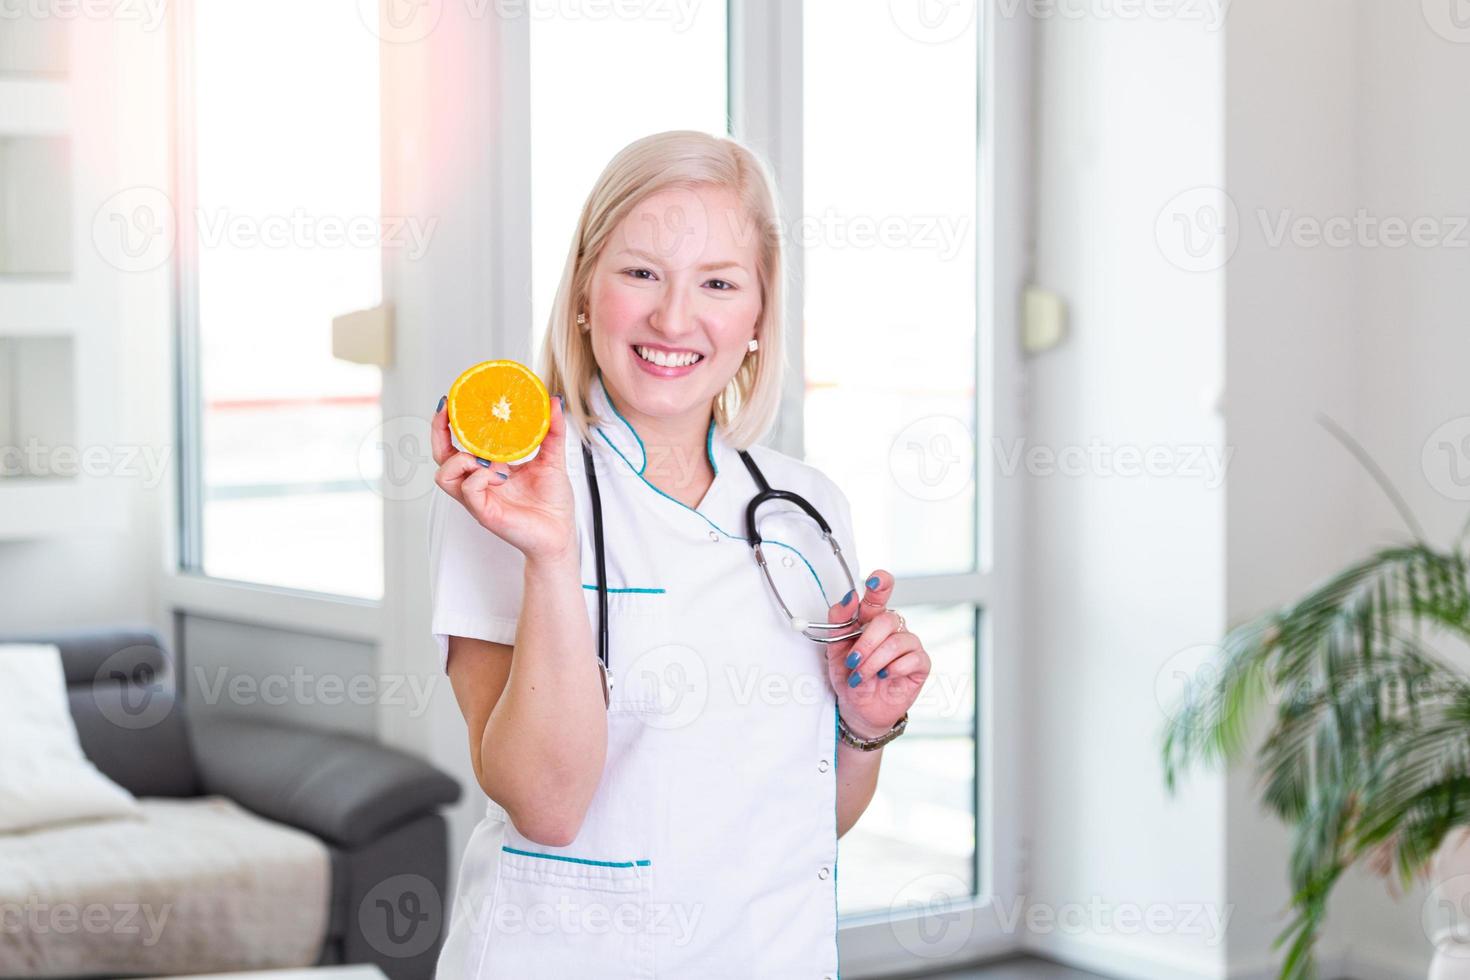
(375, 808)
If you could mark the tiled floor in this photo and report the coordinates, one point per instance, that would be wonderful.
(1020, 968)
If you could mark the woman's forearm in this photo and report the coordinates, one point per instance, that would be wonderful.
(857, 780)
(545, 742)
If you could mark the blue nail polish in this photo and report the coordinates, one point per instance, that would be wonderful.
(847, 598)
(442, 400)
(482, 462)
(559, 401)
(883, 672)
(853, 658)
(501, 476)
(873, 582)
(854, 679)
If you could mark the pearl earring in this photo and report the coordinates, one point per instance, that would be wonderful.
(752, 345)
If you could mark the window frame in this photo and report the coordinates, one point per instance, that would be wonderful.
(765, 65)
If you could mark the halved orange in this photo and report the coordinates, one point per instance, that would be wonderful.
(499, 410)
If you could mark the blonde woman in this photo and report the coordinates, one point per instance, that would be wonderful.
(674, 811)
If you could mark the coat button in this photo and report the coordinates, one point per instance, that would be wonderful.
(787, 561)
(822, 766)
(823, 873)
(714, 535)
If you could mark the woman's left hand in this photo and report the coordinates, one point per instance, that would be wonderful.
(888, 662)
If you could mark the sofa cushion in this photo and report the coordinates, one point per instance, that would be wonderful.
(44, 777)
(195, 886)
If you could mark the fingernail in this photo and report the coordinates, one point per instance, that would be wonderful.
(442, 400)
(482, 462)
(847, 598)
(854, 679)
(559, 401)
(853, 658)
(873, 582)
(501, 475)
(883, 672)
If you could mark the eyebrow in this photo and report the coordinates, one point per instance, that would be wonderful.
(707, 267)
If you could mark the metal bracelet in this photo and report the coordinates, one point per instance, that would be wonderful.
(869, 744)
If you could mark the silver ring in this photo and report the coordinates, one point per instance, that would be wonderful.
(902, 623)
(869, 602)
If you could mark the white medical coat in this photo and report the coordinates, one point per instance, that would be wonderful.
(709, 849)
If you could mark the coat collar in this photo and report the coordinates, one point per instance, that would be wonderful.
(617, 433)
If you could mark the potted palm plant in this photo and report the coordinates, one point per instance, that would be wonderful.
(1367, 758)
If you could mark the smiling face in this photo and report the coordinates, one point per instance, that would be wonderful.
(676, 283)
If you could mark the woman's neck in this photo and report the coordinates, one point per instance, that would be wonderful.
(676, 451)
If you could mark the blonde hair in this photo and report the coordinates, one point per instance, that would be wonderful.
(748, 405)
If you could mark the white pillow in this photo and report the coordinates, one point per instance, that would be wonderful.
(45, 778)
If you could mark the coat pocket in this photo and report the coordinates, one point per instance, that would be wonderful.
(559, 915)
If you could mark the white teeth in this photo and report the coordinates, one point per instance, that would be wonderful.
(664, 359)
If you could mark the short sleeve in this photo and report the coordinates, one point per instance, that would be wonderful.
(475, 578)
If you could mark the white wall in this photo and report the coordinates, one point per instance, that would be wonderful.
(105, 574)
(1124, 572)
(1325, 107)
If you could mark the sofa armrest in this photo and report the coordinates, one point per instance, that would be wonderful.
(344, 789)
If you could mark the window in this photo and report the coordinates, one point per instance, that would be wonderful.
(888, 237)
(597, 84)
(278, 209)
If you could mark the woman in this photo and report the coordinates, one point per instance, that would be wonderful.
(683, 820)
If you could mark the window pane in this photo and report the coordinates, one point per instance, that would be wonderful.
(597, 84)
(916, 841)
(889, 235)
(287, 226)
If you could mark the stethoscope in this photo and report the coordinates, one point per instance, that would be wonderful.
(817, 632)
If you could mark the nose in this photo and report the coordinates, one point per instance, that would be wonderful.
(674, 314)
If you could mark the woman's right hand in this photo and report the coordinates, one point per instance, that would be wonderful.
(529, 505)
